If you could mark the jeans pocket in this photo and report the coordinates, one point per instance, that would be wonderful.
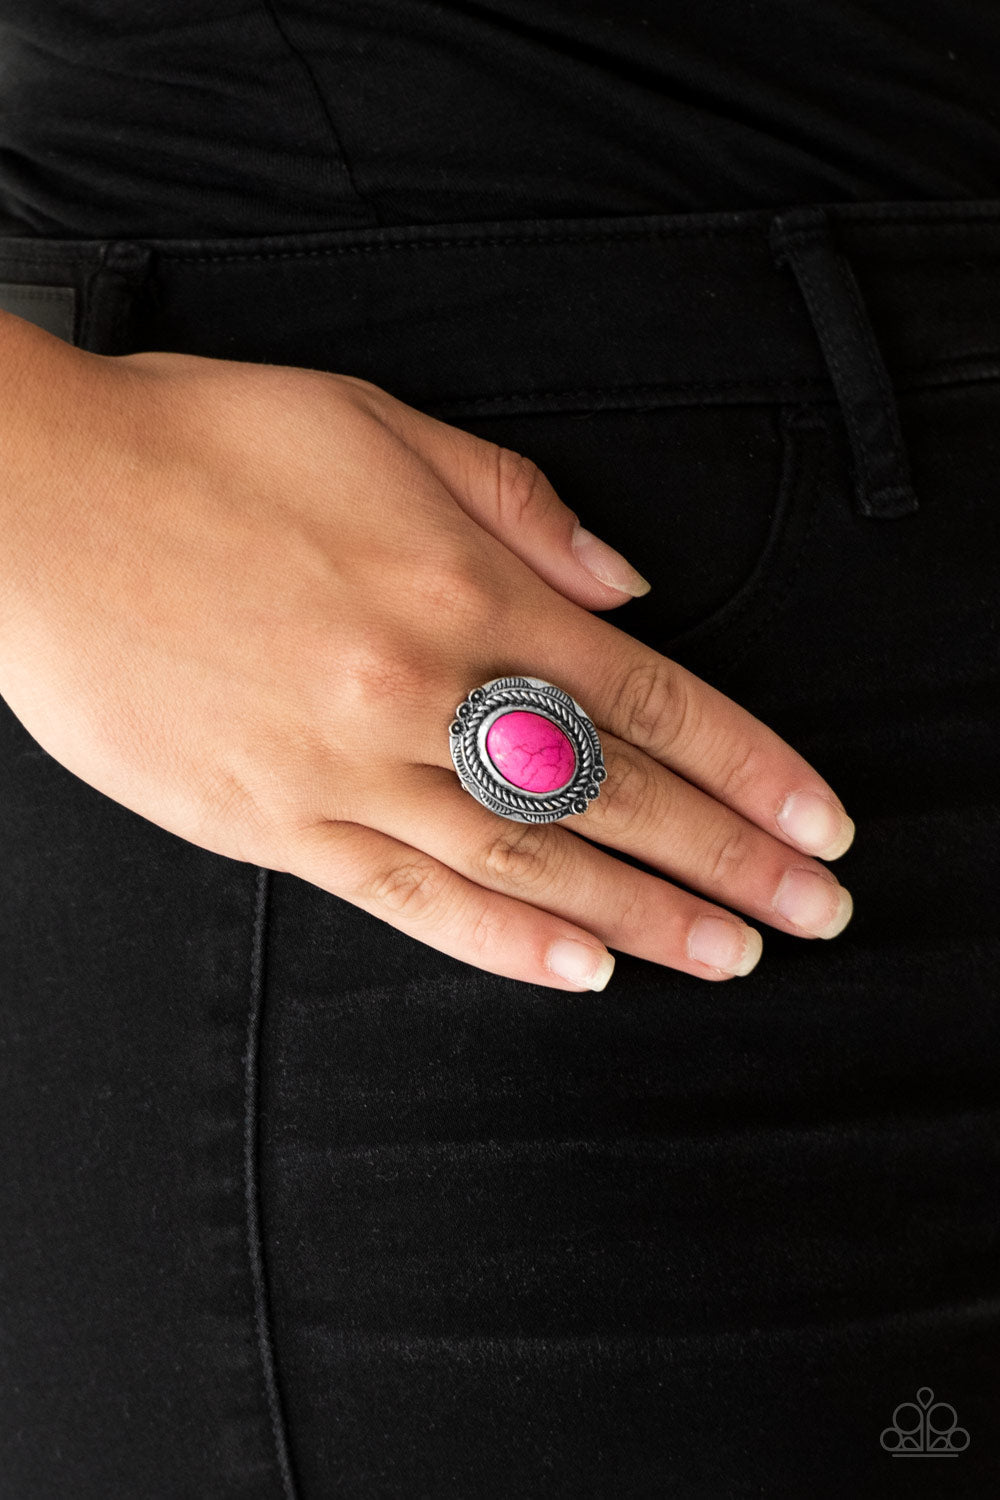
(746, 613)
(711, 503)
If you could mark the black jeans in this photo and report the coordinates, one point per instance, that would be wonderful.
(292, 1204)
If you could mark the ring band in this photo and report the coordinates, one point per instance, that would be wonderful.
(526, 750)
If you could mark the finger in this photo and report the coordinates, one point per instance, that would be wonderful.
(549, 866)
(507, 494)
(645, 810)
(683, 722)
(425, 898)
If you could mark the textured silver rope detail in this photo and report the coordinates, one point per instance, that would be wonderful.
(480, 779)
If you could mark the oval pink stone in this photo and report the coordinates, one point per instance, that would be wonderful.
(530, 751)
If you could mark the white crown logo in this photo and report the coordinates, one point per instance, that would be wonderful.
(924, 1429)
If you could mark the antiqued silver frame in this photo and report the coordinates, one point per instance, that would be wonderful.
(480, 777)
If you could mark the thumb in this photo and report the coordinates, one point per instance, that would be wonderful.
(510, 497)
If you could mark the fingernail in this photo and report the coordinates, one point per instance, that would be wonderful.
(732, 946)
(816, 825)
(604, 563)
(580, 963)
(812, 902)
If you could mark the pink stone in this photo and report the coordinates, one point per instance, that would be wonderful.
(530, 751)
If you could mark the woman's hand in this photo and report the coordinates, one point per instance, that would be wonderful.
(244, 601)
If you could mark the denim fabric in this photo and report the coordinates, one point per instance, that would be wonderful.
(270, 116)
(292, 1204)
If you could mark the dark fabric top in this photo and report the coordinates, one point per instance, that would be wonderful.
(202, 117)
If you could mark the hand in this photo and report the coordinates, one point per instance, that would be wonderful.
(244, 601)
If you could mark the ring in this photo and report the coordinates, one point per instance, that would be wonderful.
(526, 750)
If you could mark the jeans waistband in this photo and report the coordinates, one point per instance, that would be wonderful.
(846, 303)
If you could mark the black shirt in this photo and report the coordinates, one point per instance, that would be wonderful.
(206, 117)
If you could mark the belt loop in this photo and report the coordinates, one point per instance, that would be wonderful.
(883, 486)
(111, 294)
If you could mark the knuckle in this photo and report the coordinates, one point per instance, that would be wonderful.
(520, 485)
(454, 584)
(303, 834)
(518, 856)
(410, 888)
(374, 394)
(726, 856)
(739, 774)
(629, 791)
(373, 669)
(488, 932)
(654, 704)
(632, 919)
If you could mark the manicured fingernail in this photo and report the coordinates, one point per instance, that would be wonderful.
(816, 825)
(606, 564)
(732, 946)
(580, 963)
(812, 902)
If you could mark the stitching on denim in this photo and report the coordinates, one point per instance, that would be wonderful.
(474, 241)
(641, 388)
(948, 372)
(915, 220)
(48, 257)
(122, 319)
(258, 1274)
(928, 375)
(90, 289)
(789, 489)
(966, 354)
(40, 293)
(751, 232)
(819, 469)
(919, 221)
(522, 241)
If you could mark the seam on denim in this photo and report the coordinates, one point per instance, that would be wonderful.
(255, 1247)
(920, 221)
(90, 284)
(992, 353)
(785, 390)
(750, 232)
(961, 215)
(50, 256)
(932, 373)
(788, 494)
(953, 372)
(475, 241)
(39, 292)
(817, 469)
(122, 310)
(271, 7)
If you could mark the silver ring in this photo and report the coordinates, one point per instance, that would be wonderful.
(526, 750)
